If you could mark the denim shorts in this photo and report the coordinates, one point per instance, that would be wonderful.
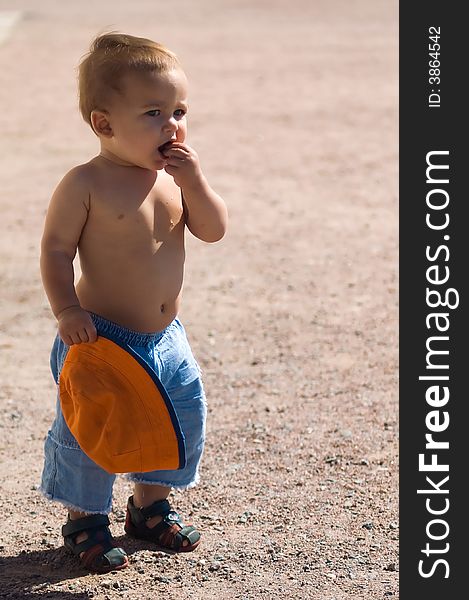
(72, 478)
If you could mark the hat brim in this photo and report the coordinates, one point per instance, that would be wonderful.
(118, 410)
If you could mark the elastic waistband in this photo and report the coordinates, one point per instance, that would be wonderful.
(128, 336)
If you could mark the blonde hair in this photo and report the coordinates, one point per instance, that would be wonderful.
(111, 56)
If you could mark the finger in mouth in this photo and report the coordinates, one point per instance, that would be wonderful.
(165, 146)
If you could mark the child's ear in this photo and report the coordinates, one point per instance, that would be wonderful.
(100, 123)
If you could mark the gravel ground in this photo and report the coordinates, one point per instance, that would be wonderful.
(293, 316)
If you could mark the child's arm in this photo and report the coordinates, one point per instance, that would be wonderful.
(66, 217)
(205, 212)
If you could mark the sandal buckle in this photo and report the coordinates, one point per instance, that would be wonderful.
(172, 517)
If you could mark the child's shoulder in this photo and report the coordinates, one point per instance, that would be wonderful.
(77, 181)
(80, 175)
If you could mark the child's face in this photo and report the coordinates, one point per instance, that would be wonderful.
(151, 111)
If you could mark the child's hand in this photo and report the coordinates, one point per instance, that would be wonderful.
(76, 326)
(183, 164)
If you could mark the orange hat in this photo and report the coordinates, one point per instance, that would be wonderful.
(118, 410)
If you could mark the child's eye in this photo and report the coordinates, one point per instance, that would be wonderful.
(153, 113)
(179, 112)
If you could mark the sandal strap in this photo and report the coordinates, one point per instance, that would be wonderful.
(169, 533)
(114, 557)
(140, 515)
(84, 524)
(169, 519)
(189, 533)
(98, 553)
(96, 537)
(172, 537)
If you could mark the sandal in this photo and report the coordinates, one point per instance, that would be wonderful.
(100, 553)
(169, 534)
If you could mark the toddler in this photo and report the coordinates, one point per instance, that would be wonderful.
(125, 212)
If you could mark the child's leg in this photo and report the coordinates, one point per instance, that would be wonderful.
(69, 476)
(149, 516)
(72, 479)
(145, 495)
(73, 515)
(89, 538)
(165, 528)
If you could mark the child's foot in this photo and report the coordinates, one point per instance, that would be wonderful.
(169, 532)
(98, 552)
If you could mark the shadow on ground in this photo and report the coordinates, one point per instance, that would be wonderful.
(24, 575)
(28, 575)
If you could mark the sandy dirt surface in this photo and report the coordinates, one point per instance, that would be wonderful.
(293, 316)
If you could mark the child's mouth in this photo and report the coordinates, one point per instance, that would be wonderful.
(162, 149)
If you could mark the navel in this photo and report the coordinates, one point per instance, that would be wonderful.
(162, 307)
(120, 217)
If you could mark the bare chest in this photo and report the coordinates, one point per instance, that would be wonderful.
(139, 215)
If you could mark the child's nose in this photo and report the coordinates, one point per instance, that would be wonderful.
(171, 125)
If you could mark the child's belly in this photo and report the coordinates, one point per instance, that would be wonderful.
(139, 289)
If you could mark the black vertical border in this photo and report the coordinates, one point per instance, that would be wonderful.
(423, 129)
